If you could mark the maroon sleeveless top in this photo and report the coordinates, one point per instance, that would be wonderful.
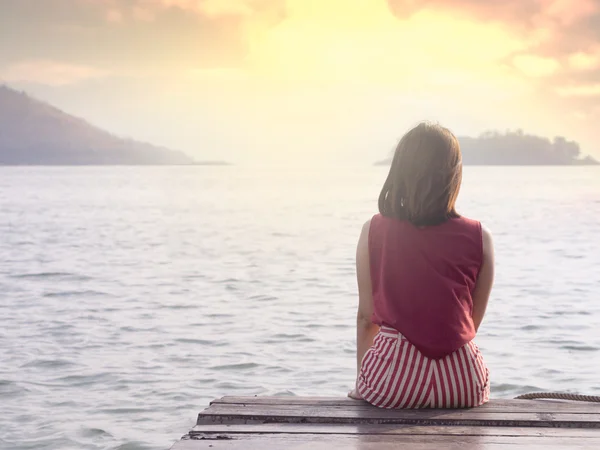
(423, 280)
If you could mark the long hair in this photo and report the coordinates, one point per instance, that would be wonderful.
(424, 178)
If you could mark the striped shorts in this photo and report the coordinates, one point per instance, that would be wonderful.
(394, 374)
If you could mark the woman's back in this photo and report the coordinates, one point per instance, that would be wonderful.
(423, 279)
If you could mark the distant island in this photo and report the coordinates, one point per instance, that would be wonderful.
(36, 133)
(515, 148)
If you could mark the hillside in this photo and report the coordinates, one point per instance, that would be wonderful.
(35, 133)
(519, 149)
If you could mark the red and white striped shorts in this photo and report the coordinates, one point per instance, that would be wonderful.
(394, 374)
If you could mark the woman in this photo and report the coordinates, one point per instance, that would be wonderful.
(425, 274)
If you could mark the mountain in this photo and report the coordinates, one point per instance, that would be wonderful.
(35, 133)
(515, 148)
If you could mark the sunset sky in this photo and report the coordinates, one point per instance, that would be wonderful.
(308, 80)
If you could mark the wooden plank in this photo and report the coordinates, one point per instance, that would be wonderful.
(371, 411)
(341, 429)
(343, 401)
(503, 405)
(268, 423)
(220, 413)
(386, 442)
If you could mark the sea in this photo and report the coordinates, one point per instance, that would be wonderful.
(132, 296)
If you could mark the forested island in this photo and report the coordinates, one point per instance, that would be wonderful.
(516, 148)
(35, 133)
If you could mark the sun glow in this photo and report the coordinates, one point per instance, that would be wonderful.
(363, 41)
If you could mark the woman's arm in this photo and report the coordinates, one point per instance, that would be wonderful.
(365, 329)
(485, 280)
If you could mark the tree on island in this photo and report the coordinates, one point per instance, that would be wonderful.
(519, 148)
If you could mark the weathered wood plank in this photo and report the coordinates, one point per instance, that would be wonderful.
(233, 413)
(341, 429)
(387, 442)
(548, 406)
(268, 423)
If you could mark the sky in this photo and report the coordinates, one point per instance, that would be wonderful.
(308, 81)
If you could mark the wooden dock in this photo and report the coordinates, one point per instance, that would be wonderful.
(320, 423)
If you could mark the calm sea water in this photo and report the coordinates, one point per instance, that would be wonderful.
(130, 297)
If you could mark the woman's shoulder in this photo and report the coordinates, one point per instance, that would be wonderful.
(374, 219)
(480, 232)
(466, 221)
(476, 224)
(378, 221)
(373, 225)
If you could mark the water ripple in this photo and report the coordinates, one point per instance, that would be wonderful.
(134, 296)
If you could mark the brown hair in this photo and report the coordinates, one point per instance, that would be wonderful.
(424, 178)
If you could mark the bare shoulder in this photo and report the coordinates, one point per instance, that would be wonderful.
(363, 240)
(366, 226)
(488, 241)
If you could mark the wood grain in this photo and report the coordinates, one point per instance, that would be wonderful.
(235, 413)
(294, 428)
(387, 442)
(324, 423)
(548, 406)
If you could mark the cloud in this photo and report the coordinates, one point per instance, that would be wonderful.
(212, 8)
(143, 14)
(433, 46)
(568, 12)
(47, 72)
(500, 48)
(554, 24)
(219, 74)
(148, 10)
(584, 90)
(536, 66)
(364, 40)
(584, 60)
(550, 27)
(114, 16)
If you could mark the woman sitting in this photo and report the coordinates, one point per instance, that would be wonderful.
(425, 274)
